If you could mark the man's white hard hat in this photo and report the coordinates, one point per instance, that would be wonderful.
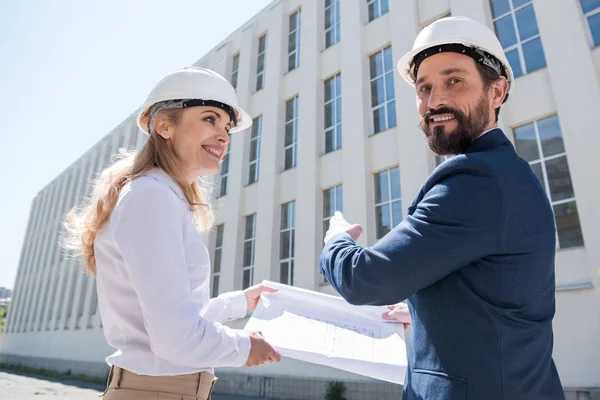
(457, 34)
(199, 86)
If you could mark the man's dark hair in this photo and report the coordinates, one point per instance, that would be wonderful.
(489, 76)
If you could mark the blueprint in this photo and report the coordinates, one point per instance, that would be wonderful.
(324, 329)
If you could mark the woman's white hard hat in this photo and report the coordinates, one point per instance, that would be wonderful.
(194, 83)
(463, 31)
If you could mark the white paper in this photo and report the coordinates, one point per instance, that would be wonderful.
(324, 329)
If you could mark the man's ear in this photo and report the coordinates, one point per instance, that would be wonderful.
(499, 92)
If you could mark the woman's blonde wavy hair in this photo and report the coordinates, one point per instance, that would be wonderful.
(83, 223)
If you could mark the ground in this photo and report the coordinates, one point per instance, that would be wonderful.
(20, 386)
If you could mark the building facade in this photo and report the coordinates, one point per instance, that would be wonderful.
(335, 127)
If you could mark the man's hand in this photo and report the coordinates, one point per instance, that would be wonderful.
(337, 224)
(253, 295)
(261, 352)
(399, 312)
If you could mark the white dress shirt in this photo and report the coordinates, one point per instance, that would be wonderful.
(153, 274)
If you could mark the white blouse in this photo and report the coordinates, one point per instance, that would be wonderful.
(153, 274)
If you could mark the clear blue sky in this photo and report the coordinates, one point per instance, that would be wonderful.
(71, 70)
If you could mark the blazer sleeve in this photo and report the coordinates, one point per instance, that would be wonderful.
(459, 220)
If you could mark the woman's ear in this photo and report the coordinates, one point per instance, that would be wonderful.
(163, 126)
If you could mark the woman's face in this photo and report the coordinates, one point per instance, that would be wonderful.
(200, 139)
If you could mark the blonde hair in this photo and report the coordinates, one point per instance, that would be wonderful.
(83, 223)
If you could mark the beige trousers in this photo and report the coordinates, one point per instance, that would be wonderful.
(125, 385)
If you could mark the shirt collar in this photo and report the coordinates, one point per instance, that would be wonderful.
(161, 176)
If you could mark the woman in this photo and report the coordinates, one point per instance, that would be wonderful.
(139, 236)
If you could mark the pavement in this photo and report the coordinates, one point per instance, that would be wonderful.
(20, 386)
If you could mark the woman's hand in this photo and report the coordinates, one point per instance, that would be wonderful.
(253, 295)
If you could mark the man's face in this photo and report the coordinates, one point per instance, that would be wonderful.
(454, 105)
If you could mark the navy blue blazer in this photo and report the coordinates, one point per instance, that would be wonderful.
(475, 259)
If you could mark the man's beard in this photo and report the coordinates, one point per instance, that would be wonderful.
(468, 128)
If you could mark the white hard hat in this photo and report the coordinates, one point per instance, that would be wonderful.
(458, 34)
(194, 86)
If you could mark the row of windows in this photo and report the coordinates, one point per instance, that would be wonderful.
(388, 213)
(45, 285)
(383, 107)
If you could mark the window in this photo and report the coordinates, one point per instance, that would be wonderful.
(260, 62)
(248, 257)
(333, 113)
(377, 8)
(332, 22)
(388, 202)
(286, 243)
(291, 133)
(591, 9)
(235, 67)
(541, 144)
(216, 272)
(332, 202)
(224, 172)
(255, 150)
(294, 41)
(438, 159)
(516, 27)
(382, 90)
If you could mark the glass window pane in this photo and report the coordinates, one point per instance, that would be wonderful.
(391, 108)
(526, 23)
(328, 18)
(261, 63)
(387, 58)
(293, 20)
(329, 37)
(291, 273)
(382, 192)
(283, 272)
(526, 143)
(291, 62)
(253, 150)
(395, 182)
(292, 42)
(285, 245)
(339, 198)
(500, 7)
(384, 6)
(389, 86)
(379, 120)
(261, 43)
(337, 26)
(215, 286)
(505, 30)
(217, 263)
(515, 62)
(376, 64)
(519, 3)
(396, 213)
(223, 191)
(289, 158)
(220, 230)
(589, 5)
(249, 231)
(373, 11)
(328, 3)
(377, 92)
(537, 170)
(382, 220)
(338, 111)
(329, 117)
(338, 137)
(327, 203)
(329, 89)
(559, 179)
(252, 174)
(289, 110)
(329, 140)
(567, 225)
(338, 84)
(325, 227)
(259, 82)
(550, 136)
(246, 281)
(594, 22)
(289, 134)
(285, 216)
(248, 253)
(534, 55)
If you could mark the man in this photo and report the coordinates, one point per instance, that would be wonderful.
(475, 254)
